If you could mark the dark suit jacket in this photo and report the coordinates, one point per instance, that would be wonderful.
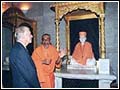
(23, 69)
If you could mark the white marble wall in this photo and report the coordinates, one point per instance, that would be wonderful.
(111, 35)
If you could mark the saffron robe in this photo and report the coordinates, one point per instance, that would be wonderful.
(82, 53)
(45, 72)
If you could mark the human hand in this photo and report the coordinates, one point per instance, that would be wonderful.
(62, 52)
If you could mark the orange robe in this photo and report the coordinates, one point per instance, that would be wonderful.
(82, 53)
(45, 72)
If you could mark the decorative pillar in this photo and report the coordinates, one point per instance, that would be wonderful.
(57, 35)
(57, 22)
(102, 37)
(68, 41)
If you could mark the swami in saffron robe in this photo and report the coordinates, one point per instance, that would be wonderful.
(46, 72)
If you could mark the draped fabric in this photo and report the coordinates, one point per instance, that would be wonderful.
(45, 72)
(82, 53)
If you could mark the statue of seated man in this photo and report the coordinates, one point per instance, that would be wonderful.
(83, 54)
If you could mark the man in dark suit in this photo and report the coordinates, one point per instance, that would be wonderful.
(23, 69)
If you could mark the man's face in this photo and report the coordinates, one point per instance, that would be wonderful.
(46, 40)
(82, 37)
(28, 36)
(82, 34)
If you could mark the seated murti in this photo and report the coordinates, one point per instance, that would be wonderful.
(83, 53)
(91, 63)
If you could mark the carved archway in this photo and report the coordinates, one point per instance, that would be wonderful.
(62, 8)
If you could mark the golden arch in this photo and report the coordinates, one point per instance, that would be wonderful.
(62, 8)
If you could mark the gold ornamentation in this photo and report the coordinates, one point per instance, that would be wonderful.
(62, 9)
(57, 35)
(102, 37)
